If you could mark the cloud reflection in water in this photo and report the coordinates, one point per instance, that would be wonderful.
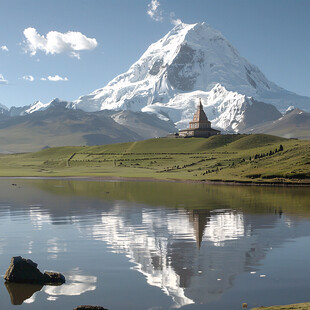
(76, 284)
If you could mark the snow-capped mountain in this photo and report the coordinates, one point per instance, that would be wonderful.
(190, 62)
(36, 107)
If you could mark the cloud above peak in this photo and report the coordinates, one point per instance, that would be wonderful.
(154, 11)
(157, 14)
(173, 20)
(55, 42)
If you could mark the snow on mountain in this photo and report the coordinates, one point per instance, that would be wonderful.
(191, 61)
(37, 106)
(224, 109)
(227, 110)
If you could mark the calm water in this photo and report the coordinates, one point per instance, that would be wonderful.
(135, 245)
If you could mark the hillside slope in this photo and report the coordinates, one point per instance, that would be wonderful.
(294, 124)
(244, 158)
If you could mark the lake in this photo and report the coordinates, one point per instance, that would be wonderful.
(156, 245)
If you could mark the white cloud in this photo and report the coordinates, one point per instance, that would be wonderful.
(56, 42)
(157, 14)
(4, 48)
(154, 11)
(3, 80)
(173, 20)
(29, 78)
(55, 78)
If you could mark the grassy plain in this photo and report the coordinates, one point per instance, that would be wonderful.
(241, 158)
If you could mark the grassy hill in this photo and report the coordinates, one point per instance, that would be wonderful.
(242, 158)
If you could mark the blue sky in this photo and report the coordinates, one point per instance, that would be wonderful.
(92, 41)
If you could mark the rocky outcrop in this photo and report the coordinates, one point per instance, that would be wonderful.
(22, 270)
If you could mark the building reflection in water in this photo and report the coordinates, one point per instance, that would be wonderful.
(181, 252)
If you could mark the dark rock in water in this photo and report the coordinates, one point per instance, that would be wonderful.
(51, 277)
(19, 292)
(24, 270)
(89, 308)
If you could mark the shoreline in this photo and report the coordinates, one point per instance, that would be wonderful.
(146, 179)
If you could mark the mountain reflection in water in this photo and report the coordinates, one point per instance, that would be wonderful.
(190, 254)
(193, 253)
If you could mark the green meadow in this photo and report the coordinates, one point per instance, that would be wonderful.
(241, 158)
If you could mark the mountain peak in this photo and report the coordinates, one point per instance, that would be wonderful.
(40, 106)
(197, 34)
(190, 60)
(36, 106)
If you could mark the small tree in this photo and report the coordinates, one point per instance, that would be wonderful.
(281, 148)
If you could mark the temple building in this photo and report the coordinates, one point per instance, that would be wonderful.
(200, 126)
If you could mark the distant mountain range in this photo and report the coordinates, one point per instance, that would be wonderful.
(60, 126)
(295, 123)
(161, 90)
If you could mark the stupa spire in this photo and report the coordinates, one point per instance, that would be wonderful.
(200, 126)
